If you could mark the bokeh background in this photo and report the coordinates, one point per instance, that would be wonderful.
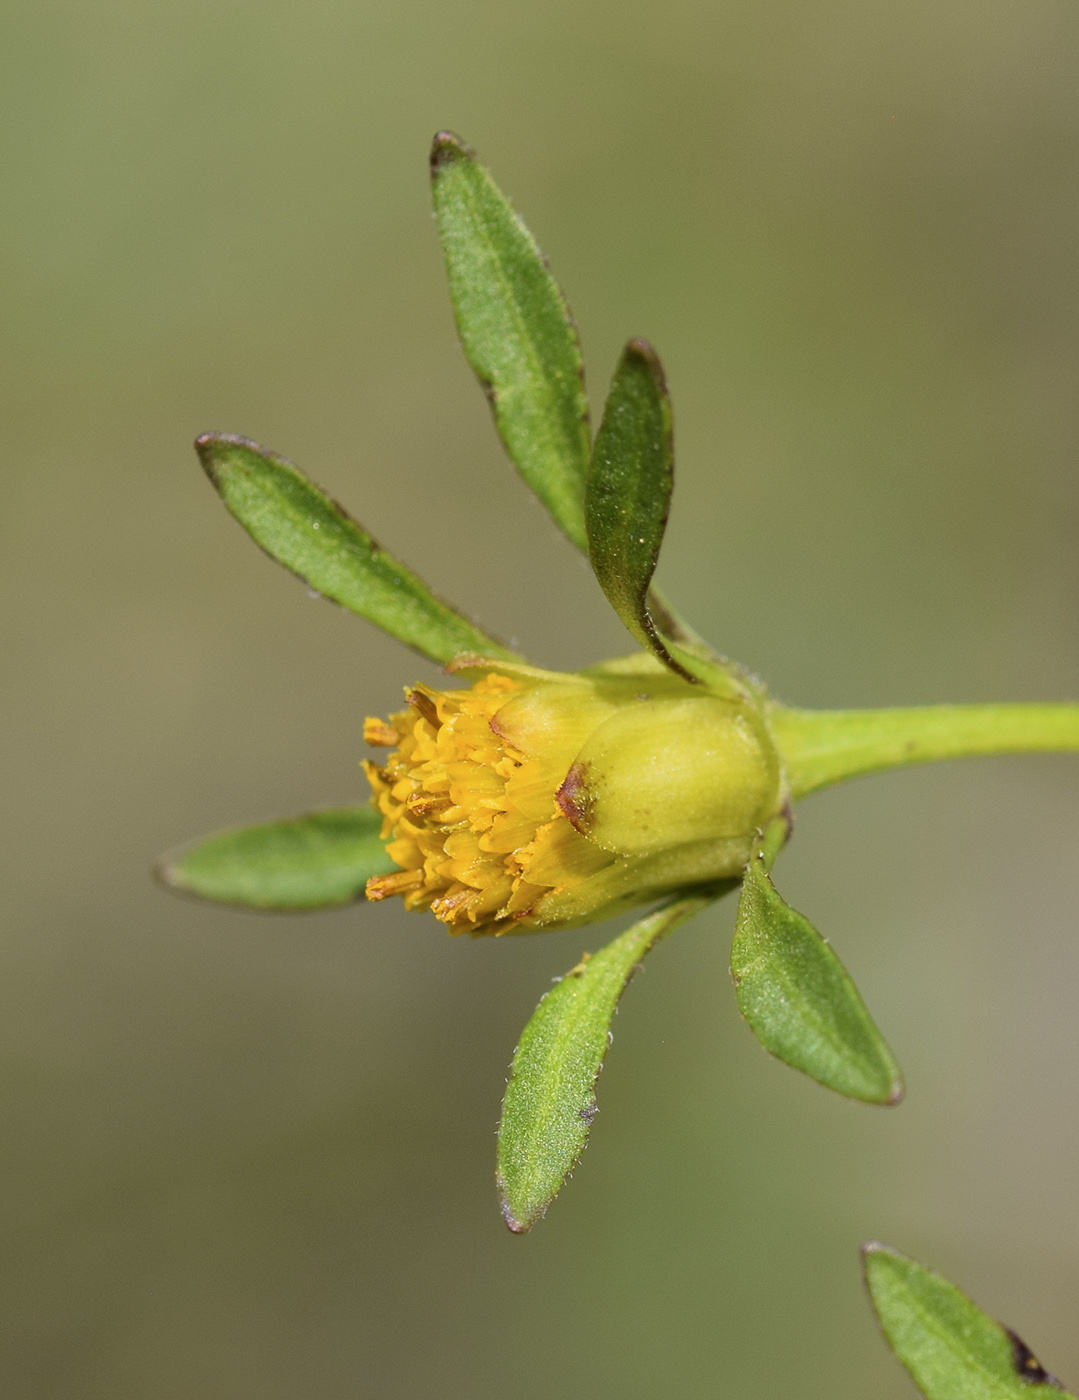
(249, 1158)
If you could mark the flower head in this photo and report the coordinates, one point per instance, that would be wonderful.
(536, 799)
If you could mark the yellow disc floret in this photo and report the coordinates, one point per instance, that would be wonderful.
(470, 818)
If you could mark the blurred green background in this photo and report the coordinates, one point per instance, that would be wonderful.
(249, 1158)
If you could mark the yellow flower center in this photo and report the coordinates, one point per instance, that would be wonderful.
(470, 819)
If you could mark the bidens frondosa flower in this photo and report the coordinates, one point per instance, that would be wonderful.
(536, 800)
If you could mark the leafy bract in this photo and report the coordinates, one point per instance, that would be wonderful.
(310, 862)
(630, 479)
(950, 1347)
(799, 1000)
(516, 330)
(297, 524)
(550, 1098)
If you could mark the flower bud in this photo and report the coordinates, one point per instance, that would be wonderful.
(538, 800)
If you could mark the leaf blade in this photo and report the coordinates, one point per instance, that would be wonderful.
(301, 527)
(550, 1097)
(800, 1001)
(516, 330)
(315, 861)
(952, 1349)
(628, 496)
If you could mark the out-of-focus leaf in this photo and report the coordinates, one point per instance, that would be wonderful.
(950, 1347)
(308, 862)
(550, 1098)
(799, 1000)
(516, 330)
(630, 479)
(297, 524)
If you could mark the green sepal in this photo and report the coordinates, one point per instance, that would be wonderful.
(314, 861)
(550, 1098)
(516, 330)
(951, 1348)
(799, 1000)
(472, 666)
(722, 677)
(630, 480)
(297, 524)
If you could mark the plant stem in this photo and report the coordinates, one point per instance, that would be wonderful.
(819, 747)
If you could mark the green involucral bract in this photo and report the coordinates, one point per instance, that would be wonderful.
(297, 524)
(550, 1098)
(315, 861)
(516, 330)
(630, 479)
(517, 799)
(799, 1000)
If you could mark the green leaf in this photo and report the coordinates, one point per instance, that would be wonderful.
(950, 1347)
(516, 330)
(297, 524)
(550, 1098)
(799, 1000)
(310, 862)
(629, 492)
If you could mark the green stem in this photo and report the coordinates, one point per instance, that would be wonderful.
(819, 747)
(774, 839)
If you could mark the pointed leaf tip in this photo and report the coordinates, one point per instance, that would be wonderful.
(639, 348)
(513, 1225)
(304, 529)
(209, 447)
(952, 1349)
(447, 147)
(801, 1003)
